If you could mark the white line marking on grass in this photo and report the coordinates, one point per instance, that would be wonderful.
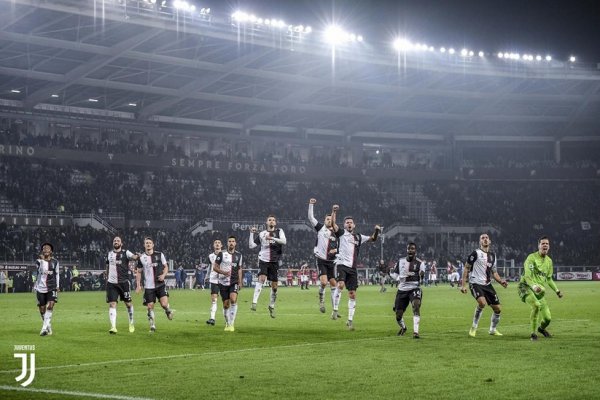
(211, 353)
(71, 393)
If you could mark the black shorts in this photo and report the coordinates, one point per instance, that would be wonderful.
(326, 267)
(403, 298)
(150, 295)
(269, 269)
(486, 291)
(121, 290)
(347, 275)
(45, 298)
(214, 288)
(227, 290)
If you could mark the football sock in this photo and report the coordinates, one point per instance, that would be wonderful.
(257, 290)
(232, 313)
(476, 316)
(416, 320)
(351, 309)
(273, 297)
(213, 309)
(112, 316)
(495, 320)
(130, 313)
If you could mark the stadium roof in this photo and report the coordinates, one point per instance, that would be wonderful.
(149, 68)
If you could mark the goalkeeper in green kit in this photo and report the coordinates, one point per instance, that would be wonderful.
(537, 274)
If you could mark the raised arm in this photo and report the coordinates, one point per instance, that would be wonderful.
(311, 215)
(375, 233)
(334, 211)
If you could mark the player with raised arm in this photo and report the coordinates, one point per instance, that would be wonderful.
(271, 242)
(479, 270)
(345, 262)
(228, 265)
(537, 274)
(155, 268)
(324, 251)
(409, 272)
(118, 284)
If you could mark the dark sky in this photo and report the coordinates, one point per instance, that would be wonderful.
(556, 27)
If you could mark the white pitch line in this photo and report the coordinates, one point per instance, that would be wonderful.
(71, 393)
(212, 353)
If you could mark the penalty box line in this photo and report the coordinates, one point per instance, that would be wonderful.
(208, 354)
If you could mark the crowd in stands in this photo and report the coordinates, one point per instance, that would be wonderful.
(522, 211)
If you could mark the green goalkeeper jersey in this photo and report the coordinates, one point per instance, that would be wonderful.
(537, 270)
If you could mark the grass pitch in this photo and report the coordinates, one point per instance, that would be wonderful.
(303, 353)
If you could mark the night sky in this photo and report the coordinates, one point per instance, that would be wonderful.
(559, 28)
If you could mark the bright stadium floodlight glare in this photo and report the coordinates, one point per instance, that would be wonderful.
(481, 54)
(471, 53)
(451, 51)
(15, 91)
(267, 22)
(572, 59)
(54, 96)
(538, 58)
(431, 48)
(500, 55)
(548, 58)
(442, 49)
(507, 55)
(464, 52)
(360, 38)
(132, 104)
(308, 29)
(93, 100)
(334, 35)
(402, 44)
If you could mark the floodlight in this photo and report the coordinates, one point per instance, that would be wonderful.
(401, 44)
(308, 29)
(267, 22)
(481, 54)
(360, 38)
(132, 104)
(54, 95)
(538, 58)
(500, 55)
(548, 58)
(442, 49)
(471, 53)
(464, 52)
(451, 51)
(15, 91)
(431, 48)
(93, 100)
(334, 35)
(572, 59)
